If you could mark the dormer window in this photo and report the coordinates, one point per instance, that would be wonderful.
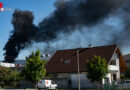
(67, 61)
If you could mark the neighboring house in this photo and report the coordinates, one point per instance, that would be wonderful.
(19, 65)
(63, 64)
(22, 62)
(5, 64)
(127, 59)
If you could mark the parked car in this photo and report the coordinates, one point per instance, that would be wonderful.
(125, 83)
(48, 84)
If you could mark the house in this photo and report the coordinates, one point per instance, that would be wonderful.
(19, 65)
(5, 64)
(127, 59)
(63, 64)
(22, 62)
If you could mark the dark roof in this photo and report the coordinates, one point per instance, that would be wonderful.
(127, 57)
(57, 65)
(20, 62)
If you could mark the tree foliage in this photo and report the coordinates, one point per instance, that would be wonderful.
(97, 68)
(34, 69)
(8, 77)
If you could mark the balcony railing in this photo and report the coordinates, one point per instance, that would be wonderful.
(113, 68)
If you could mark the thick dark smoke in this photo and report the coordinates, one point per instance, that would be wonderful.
(123, 38)
(24, 31)
(75, 13)
(68, 16)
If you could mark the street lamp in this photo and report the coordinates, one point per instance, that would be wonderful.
(78, 70)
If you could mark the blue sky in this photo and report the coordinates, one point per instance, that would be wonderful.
(40, 9)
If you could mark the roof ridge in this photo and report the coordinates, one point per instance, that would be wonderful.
(87, 47)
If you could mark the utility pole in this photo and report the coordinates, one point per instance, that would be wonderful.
(78, 70)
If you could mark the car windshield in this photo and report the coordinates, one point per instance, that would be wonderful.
(52, 82)
(43, 82)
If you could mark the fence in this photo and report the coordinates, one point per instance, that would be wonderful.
(114, 87)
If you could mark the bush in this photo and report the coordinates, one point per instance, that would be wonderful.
(8, 77)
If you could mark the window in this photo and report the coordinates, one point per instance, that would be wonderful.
(114, 77)
(52, 82)
(67, 61)
(113, 62)
(106, 80)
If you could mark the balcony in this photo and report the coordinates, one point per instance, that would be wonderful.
(113, 68)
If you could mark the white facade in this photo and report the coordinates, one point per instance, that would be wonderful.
(7, 64)
(114, 70)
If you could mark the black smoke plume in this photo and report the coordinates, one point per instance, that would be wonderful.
(21, 37)
(74, 14)
(68, 16)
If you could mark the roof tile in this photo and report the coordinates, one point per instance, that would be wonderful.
(56, 63)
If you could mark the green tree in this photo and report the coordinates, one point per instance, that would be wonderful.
(8, 77)
(128, 72)
(34, 68)
(97, 68)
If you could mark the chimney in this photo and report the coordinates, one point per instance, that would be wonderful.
(90, 45)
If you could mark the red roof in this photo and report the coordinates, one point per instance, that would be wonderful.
(57, 63)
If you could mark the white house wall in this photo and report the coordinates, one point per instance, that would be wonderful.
(84, 81)
(114, 69)
(108, 76)
(2, 64)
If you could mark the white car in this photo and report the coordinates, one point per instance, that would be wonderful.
(48, 84)
(125, 83)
